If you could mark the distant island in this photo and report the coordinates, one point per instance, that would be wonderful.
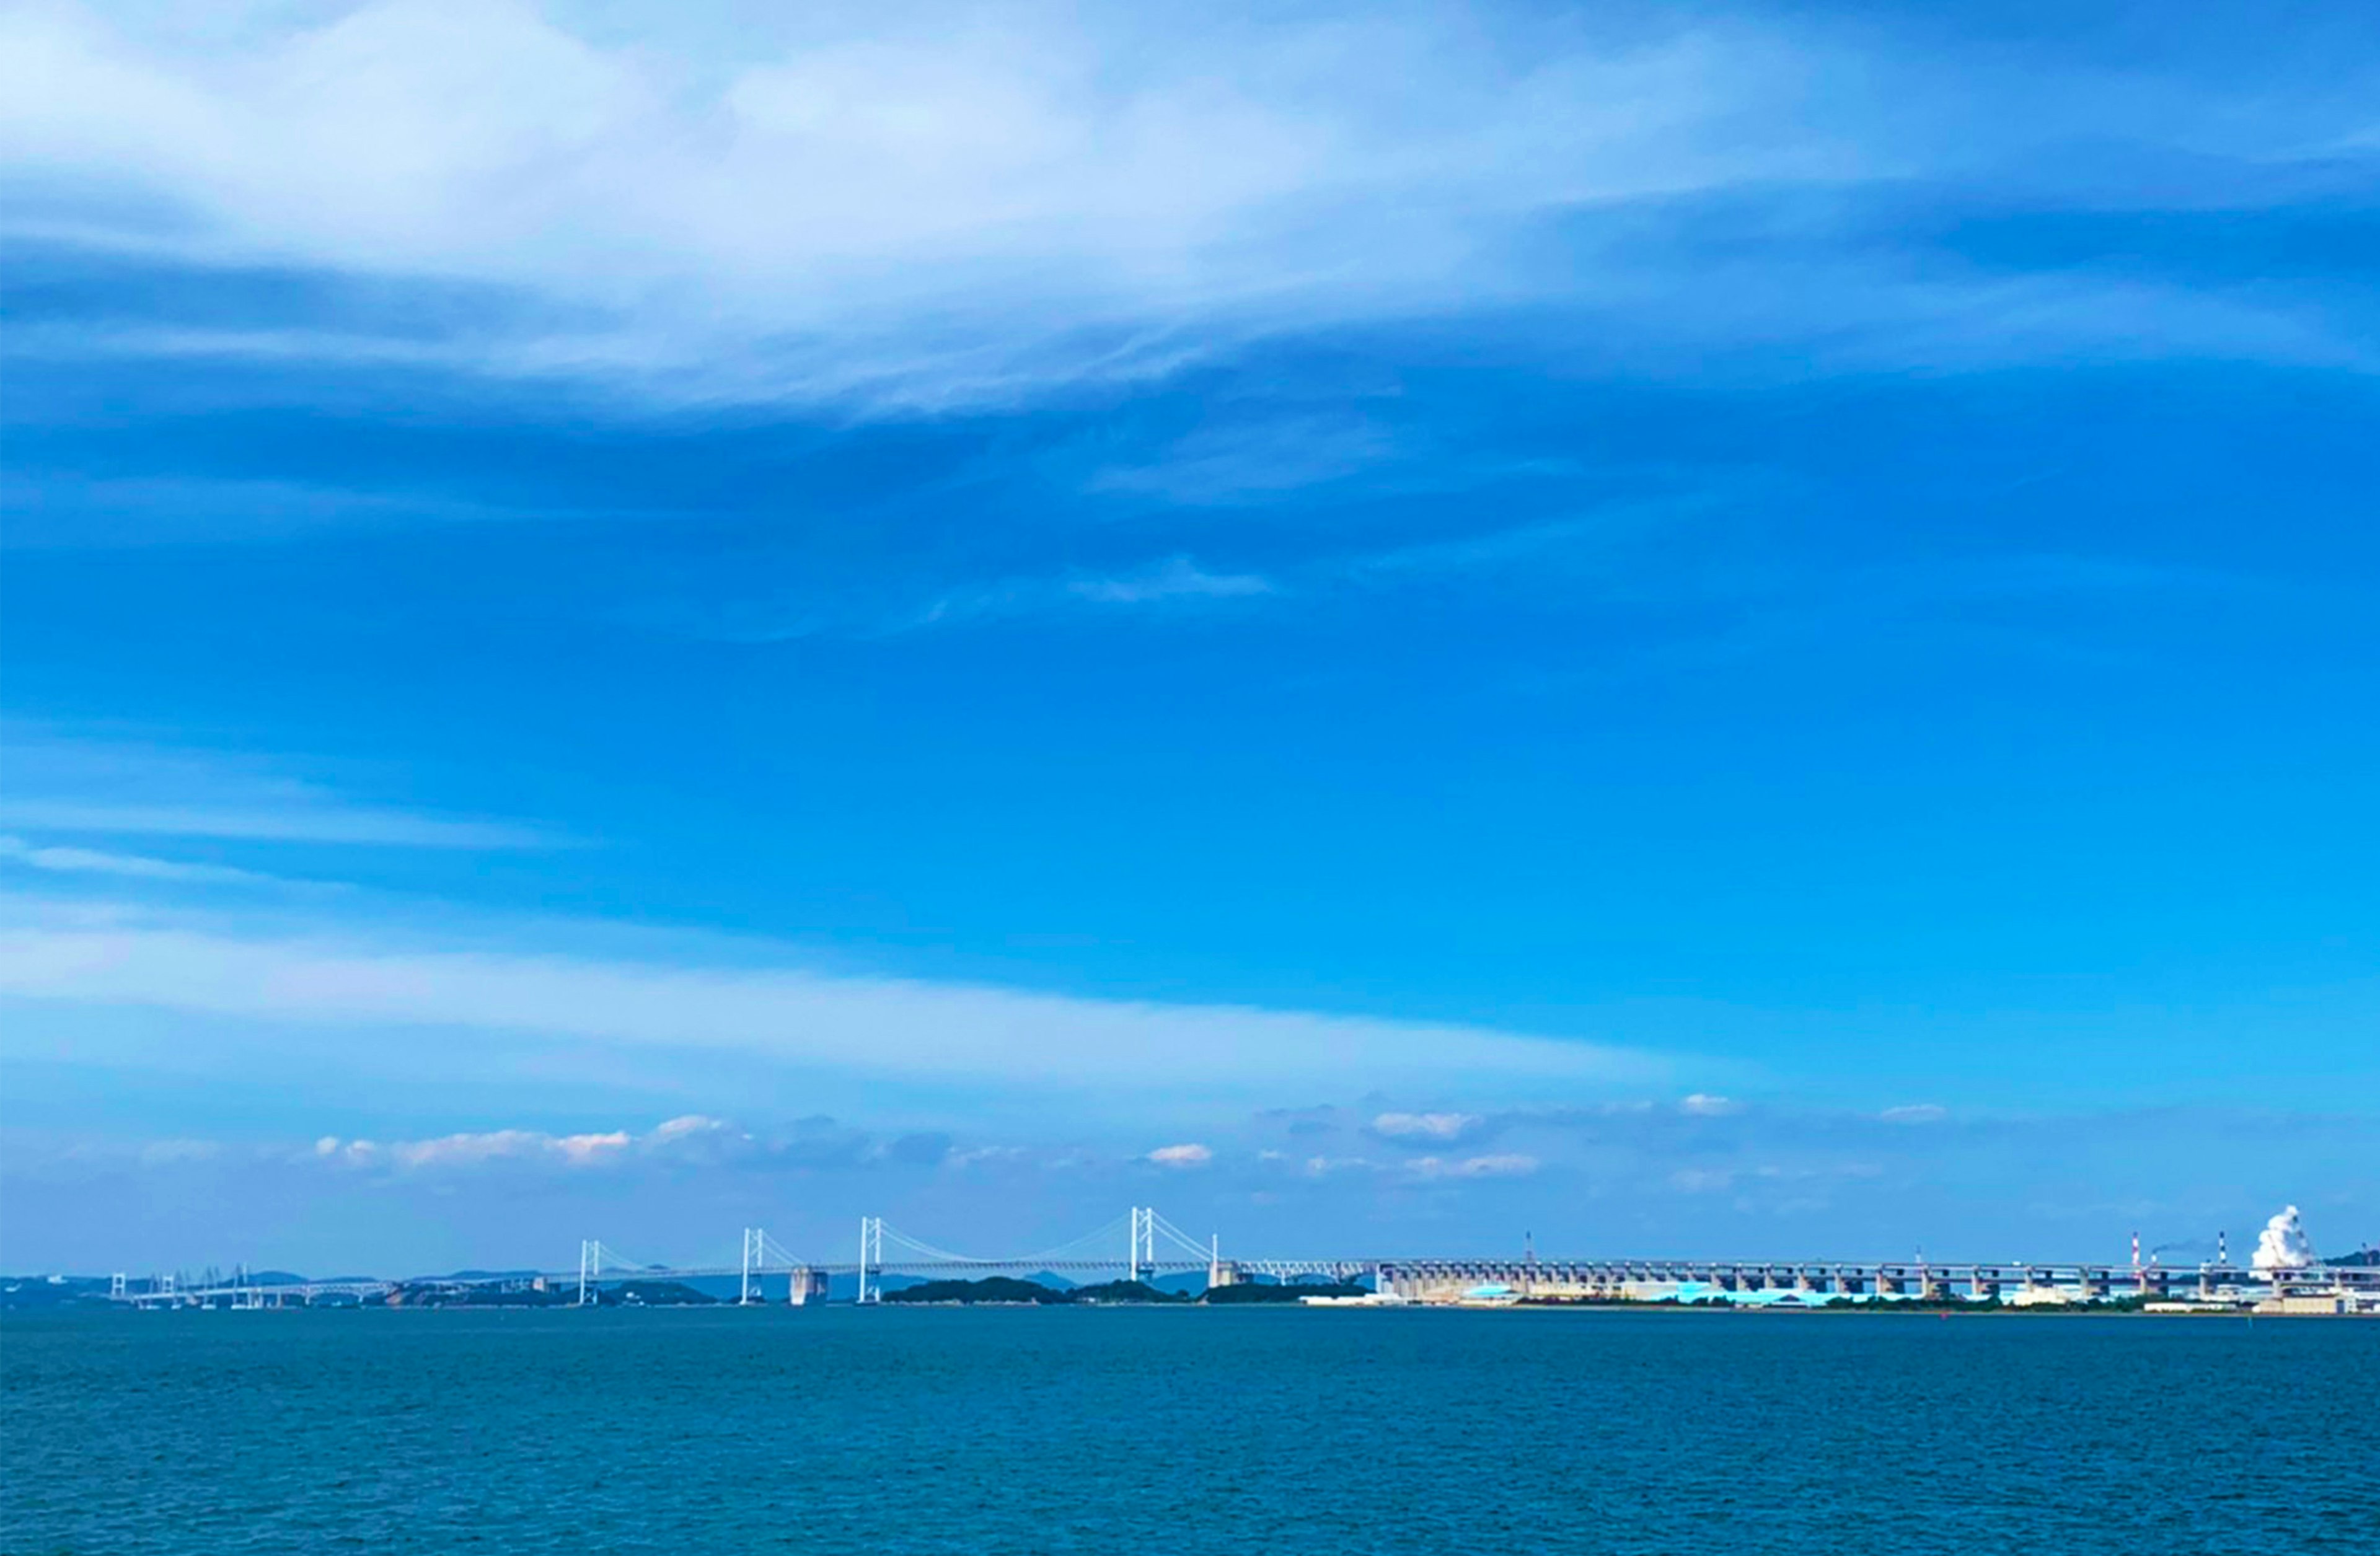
(1005, 1290)
(530, 1293)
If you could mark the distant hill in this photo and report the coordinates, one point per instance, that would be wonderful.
(1051, 1279)
(21, 1292)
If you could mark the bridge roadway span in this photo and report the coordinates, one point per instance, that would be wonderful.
(1407, 1277)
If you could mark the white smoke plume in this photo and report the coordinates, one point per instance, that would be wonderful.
(2283, 1245)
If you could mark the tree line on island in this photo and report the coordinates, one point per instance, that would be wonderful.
(1008, 1289)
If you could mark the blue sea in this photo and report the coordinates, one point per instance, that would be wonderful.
(1184, 1430)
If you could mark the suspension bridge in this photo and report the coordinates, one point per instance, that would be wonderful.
(1141, 1245)
(1138, 1245)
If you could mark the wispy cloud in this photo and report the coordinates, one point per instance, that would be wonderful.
(136, 866)
(1175, 584)
(1191, 1154)
(1176, 578)
(1018, 181)
(804, 1019)
(885, 207)
(311, 823)
(1250, 463)
(126, 788)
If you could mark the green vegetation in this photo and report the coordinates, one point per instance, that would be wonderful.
(435, 1294)
(655, 1294)
(991, 1288)
(1108, 1292)
(1240, 1295)
(1006, 1289)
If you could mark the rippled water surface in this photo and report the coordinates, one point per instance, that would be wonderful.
(1190, 1431)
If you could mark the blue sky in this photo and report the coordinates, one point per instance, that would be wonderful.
(1718, 629)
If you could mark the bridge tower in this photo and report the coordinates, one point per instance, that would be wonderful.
(1143, 1253)
(871, 1256)
(590, 1269)
(754, 1255)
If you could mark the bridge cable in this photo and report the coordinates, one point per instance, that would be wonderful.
(894, 1235)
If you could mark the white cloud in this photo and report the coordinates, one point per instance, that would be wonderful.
(477, 1150)
(1916, 1112)
(787, 1014)
(987, 1156)
(1187, 1154)
(1700, 1105)
(1430, 1126)
(687, 1127)
(580, 1149)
